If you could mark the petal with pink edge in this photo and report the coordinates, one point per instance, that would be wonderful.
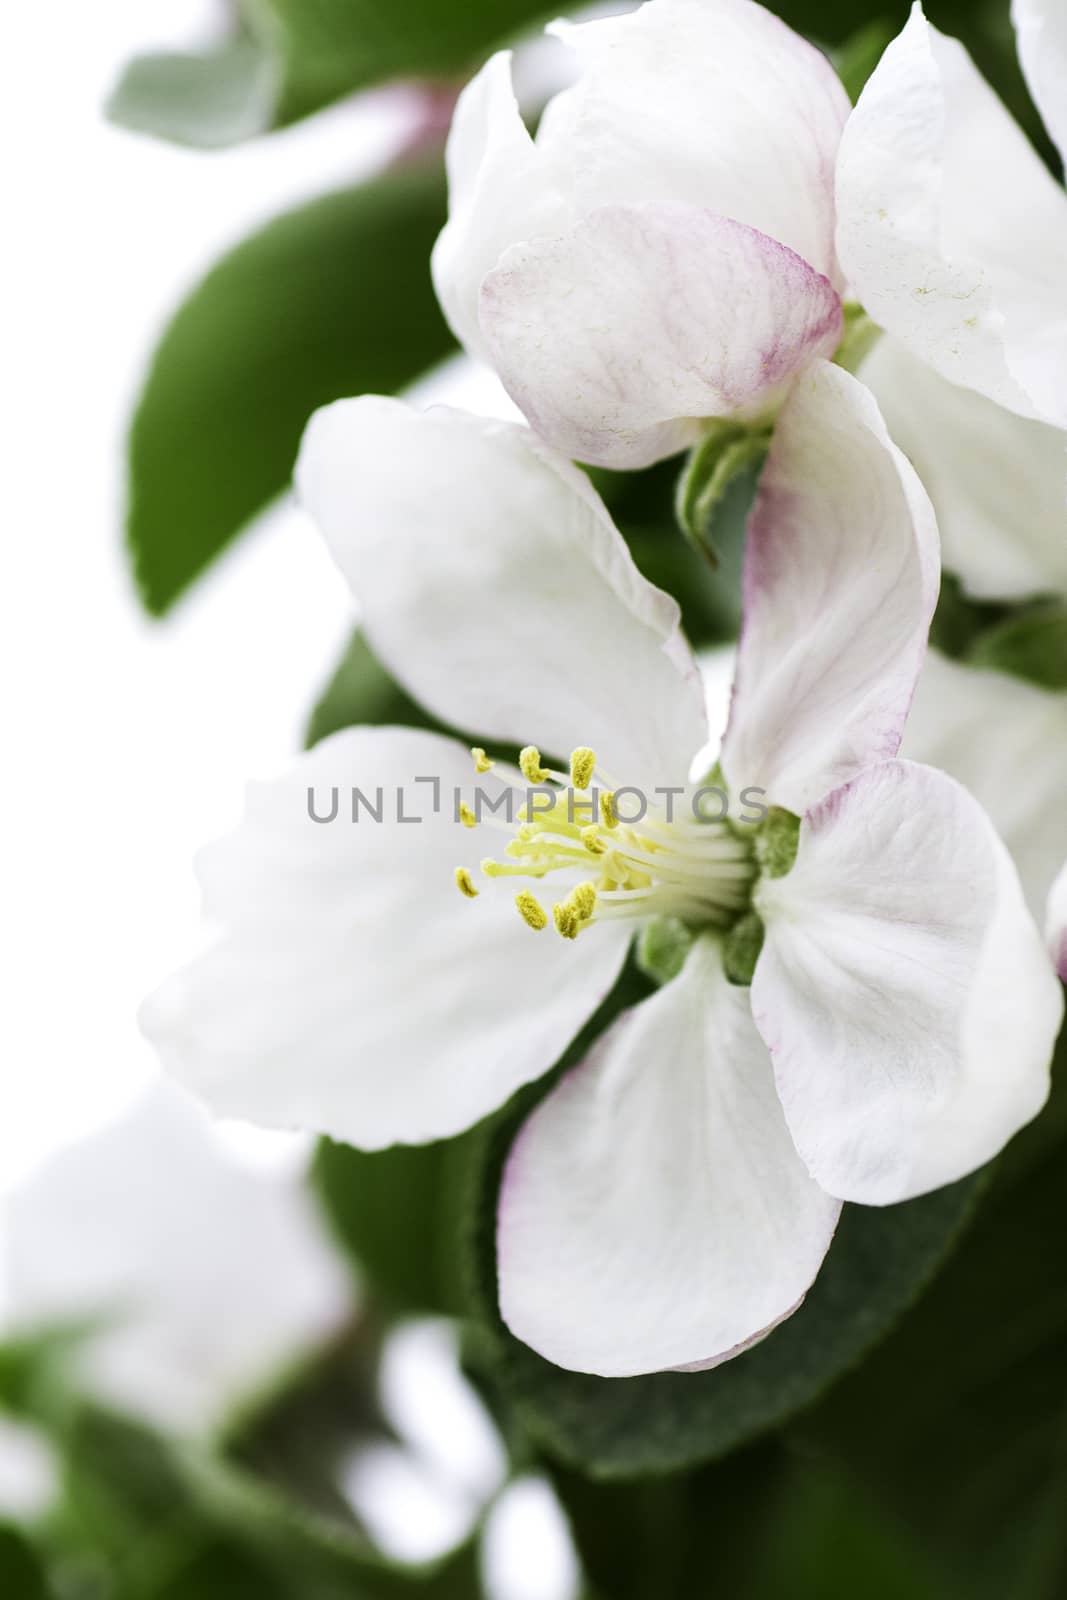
(617, 338)
(654, 1213)
(903, 989)
(841, 580)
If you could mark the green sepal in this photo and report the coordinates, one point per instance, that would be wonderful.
(776, 842)
(662, 947)
(741, 949)
(729, 451)
(858, 339)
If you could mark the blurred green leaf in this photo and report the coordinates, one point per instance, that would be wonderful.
(960, 621)
(206, 101)
(21, 1574)
(621, 1428)
(331, 300)
(959, 1422)
(1030, 644)
(397, 1213)
(153, 1519)
(292, 57)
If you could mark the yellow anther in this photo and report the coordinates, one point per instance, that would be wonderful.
(583, 899)
(531, 910)
(530, 765)
(583, 765)
(566, 920)
(592, 840)
(608, 814)
(482, 762)
(467, 817)
(493, 869)
(465, 883)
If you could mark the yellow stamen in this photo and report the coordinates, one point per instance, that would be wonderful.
(566, 920)
(482, 762)
(583, 765)
(583, 899)
(531, 910)
(593, 842)
(465, 883)
(466, 816)
(530, 765)
(608, 815)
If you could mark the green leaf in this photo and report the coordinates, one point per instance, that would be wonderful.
(21, 1574)
(764, 1524)
(1032, 644)
(397, 1212)
(156, 1516)
(206, 101)
(294, 56)
(331, 300)
(879, 1263)
(959, 1422)
(959, 621)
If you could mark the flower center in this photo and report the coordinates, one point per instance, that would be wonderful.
(617, 852)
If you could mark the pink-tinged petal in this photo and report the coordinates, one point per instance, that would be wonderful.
(654, 1213)
(713, 104)
(841, 580)
(500, 188)
(998, 481)
(951, 231)
(1041, 35)
(352, 990)
(495, 586)
(903, 989)
(617, 338)
(1005, 740)
(1056, 923)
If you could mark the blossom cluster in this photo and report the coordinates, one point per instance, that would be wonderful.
(703, 244)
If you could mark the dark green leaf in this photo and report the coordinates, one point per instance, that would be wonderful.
(763, 1525)
(21, 1574)
(880, 1261)
(206, 101)
(396, 1212)
(959, 621)
(959, 1422)
(1031, 644)
(333, 299)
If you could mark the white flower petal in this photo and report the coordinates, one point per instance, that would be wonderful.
(1056, 922)
(654, 1213)
(207, 1279)
(1041, 34)
(500, 188)
(617, 337)
(353, 991)
(841, 579)
(714, 104)
(903, 989)
(950, 229)
(1005, 741)
(495, 586)
(998, 481)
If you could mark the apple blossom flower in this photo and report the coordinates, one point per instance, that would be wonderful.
(672, 1199)
(674, 244)
(202, 1278)
(663, 251)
